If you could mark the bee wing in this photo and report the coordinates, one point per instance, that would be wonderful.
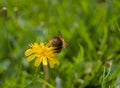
(65, 43)
(59, 34)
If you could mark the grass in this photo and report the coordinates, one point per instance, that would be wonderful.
(92, 28)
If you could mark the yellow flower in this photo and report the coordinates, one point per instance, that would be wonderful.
(42, 53)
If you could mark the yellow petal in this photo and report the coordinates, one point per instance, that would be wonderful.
(44, 61)
(57, 62)
(28, 52)
(35, 45)
(30, 58)
(38, 61)
(41, 44)
(52, 62)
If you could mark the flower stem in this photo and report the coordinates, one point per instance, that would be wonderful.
(46, 72)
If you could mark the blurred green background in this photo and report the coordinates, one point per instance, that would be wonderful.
(92, 28)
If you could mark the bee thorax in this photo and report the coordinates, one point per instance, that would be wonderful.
(56, 42)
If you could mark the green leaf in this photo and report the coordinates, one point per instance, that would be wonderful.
(114, 74)
(79, 58)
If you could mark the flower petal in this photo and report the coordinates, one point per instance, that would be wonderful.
(30, 58)
(42, 44)
(28, 52)
(52, 62)
(44, 61)
(38, 61)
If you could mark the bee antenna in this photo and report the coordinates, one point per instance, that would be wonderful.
(59, 33)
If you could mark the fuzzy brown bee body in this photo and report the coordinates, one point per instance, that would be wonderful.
(58, 42)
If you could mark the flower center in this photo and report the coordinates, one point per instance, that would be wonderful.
(44, 52)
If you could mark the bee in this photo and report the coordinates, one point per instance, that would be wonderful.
(58, 42)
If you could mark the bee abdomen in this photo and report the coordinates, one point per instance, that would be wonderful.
(58, 49)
